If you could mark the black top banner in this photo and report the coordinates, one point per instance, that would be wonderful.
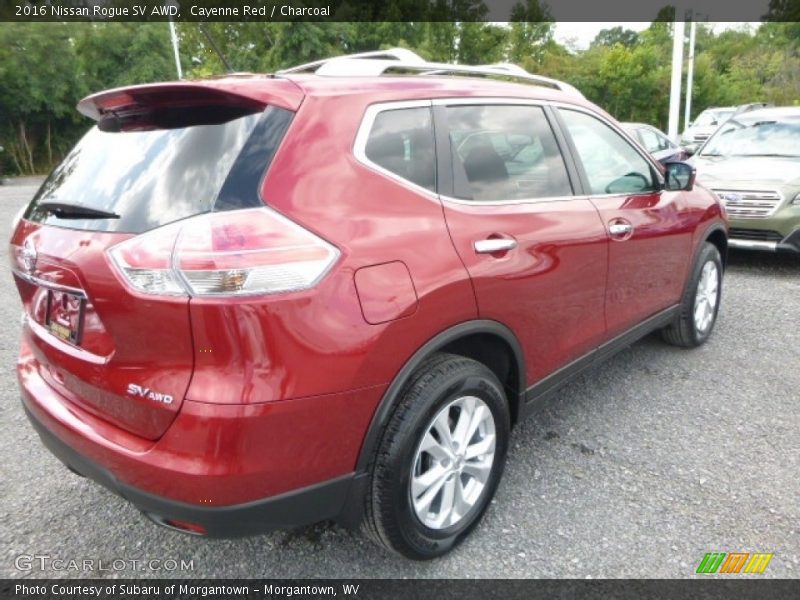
(398, 10)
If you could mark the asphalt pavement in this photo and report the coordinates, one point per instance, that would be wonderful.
(636, 469)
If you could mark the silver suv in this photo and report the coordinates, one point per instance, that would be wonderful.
(709, 120)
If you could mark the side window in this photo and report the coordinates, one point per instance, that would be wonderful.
(401, 141)
(649, 140)
(664, 142)
(612, 165)
(503, 152)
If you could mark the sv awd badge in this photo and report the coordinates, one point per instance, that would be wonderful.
(143, 392)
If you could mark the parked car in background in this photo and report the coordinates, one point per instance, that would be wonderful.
(237, 334)
(752, 162)
(708, 121)
(751, 106)
(703, 126)
(656, 142)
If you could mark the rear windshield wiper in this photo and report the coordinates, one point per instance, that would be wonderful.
(75, 211)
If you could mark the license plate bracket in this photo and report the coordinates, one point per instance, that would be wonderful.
(65, 312)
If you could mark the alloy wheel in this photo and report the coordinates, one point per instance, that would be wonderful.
(706, 298)
(453, 462)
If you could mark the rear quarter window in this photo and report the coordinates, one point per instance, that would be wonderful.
(401, 141)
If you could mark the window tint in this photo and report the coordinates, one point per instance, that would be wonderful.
(756, 136)
(650, 140)
(612, 165)
(665, 144)
(151, 178)
(401, 141)
(709, 118)
(505, 153)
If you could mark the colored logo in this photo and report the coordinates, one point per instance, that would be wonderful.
(734, 562)
(729, 197)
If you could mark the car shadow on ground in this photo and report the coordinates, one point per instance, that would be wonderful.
(750, 260)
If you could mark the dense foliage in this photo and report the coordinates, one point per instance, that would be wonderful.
(45, 68)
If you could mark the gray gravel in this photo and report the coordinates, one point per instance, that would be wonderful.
(636, 469)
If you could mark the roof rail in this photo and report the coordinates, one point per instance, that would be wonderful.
(395, 54)
(374, 64)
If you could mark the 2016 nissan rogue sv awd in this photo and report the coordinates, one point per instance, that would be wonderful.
(259, 302)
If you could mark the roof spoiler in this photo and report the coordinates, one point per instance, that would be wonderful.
(169, 105)
(143, 98)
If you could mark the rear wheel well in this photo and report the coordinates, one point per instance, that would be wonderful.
(494, 352)
(489, 342)
(720, 240)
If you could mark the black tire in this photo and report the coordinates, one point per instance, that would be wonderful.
(390, 518)
(684, 331)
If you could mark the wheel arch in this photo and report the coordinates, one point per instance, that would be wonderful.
(718, 236)
(489, 342)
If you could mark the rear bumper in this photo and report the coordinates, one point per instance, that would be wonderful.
(314, 503)
(234, 469)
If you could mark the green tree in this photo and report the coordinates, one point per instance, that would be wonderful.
(531, 31)
(45, 68)
(303, 41)
(728, 45)
(554, 61)
(117, 54)
(783, 10)
(363, 36)
(481, 43)
(659, 33)
(440, 41)
(39, 86)
(616, 35)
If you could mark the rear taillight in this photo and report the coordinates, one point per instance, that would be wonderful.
(244, 252)
(146, 261)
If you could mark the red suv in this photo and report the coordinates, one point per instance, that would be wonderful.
(259, 302)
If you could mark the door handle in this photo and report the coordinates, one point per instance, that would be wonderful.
(620, 229)
(495, 245)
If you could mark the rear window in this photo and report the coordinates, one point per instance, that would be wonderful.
(151, 178)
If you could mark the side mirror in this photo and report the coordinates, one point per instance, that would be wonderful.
(679, 177)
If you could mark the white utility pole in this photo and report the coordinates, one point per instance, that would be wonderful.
(687, 115)
(675, 87)
(173, 34)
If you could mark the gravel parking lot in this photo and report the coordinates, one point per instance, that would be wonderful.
(636, 469)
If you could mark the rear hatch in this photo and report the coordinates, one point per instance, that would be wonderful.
(120, 344)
